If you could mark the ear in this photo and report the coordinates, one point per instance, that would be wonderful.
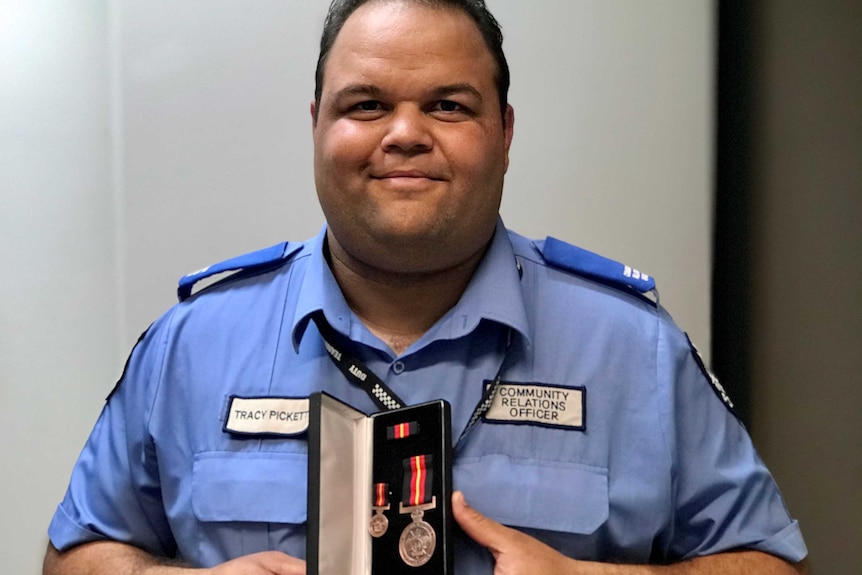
(313, 109)
(508, 130)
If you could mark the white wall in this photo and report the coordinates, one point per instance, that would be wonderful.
(58, 334)
(613, 136)
(141, 140)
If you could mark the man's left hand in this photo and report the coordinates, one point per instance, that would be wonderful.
(515, 553)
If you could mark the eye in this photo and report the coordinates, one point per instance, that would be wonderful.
(449, 106)
(451, 111)
(368, 106)
(365, 110)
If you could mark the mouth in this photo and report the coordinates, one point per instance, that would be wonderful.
(406, 175)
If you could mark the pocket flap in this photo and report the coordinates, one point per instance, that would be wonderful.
(546, 495)
(254, 487)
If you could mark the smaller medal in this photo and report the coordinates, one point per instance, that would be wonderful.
(418, 540)
(379, 522)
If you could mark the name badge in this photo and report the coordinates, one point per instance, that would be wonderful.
(282, 416)
(539, 404)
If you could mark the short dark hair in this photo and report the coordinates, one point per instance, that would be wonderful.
(340, 11)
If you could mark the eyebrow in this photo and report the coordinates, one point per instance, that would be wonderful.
(358, 90)
(451, 89)
(373, 91)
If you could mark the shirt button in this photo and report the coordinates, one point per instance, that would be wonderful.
(398, 367)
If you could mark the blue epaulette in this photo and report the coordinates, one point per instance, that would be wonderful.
(580, 261)
(250, 262)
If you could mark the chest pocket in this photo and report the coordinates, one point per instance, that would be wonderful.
(247, 502)
(250, 487)
(535, 494)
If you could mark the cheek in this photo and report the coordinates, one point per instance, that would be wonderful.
(475, 144)
(346, 143)
(478, 162)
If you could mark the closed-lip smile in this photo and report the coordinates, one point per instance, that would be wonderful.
(404, 174)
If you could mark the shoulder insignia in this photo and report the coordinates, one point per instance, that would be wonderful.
(713, 381)
(578, 260)
(253, 261)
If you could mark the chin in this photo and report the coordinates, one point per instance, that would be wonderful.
(408, 228)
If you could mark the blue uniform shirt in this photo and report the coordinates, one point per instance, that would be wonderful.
(607, 440)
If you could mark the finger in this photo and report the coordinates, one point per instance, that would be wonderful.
(481, 529)
(287, 565)
(279, 563)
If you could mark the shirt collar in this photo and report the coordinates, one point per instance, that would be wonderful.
(494, 294)
(319, 291)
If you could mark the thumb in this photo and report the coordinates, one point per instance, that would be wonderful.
(481, 529)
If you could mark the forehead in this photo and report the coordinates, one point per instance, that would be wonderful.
(401, 38)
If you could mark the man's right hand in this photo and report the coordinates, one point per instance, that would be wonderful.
(264, 563)
(110, 558)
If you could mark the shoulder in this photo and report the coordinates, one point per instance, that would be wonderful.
(213, 302)
(570, 260)
(242, 266)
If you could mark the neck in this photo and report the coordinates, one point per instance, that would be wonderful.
(396, 307)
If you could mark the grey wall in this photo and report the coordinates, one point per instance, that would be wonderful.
(142, 140)
(807, 267)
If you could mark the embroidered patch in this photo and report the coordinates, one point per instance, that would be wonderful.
(713, 381)
(539, 404)
(282, 416)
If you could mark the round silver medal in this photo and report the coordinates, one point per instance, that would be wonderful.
(378, 525)
(417, 543)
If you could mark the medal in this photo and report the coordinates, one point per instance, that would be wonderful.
(418, 540)
(379, 523)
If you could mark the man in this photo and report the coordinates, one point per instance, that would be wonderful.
(605, 448)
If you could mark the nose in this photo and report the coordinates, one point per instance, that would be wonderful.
(407, 132)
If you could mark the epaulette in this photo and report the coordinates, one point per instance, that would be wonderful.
(252, 262)
(571, 258)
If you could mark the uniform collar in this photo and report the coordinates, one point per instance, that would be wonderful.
(320, 292)
(493, 294)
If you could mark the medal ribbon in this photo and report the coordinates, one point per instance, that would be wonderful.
(381, 494)
(418, 480)
(402, 430)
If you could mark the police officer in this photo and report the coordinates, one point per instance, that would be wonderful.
(608, 448)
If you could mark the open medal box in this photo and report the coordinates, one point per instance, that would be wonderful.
(379, 490)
